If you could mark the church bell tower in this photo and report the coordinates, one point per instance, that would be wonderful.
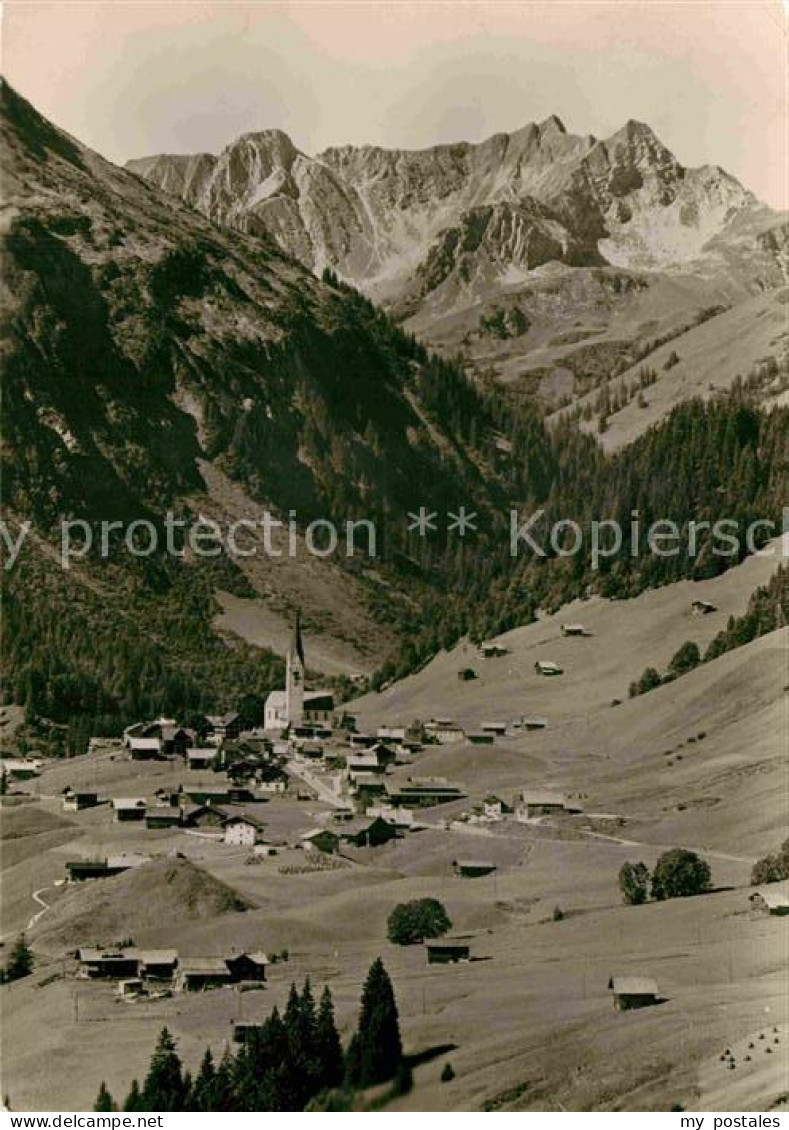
(294, 679)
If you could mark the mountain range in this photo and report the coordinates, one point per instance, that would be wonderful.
(545, 259)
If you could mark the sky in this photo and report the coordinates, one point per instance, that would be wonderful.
(130, 78)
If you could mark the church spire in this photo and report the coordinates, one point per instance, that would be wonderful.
(296, 644)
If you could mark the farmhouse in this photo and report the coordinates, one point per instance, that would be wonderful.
(545, 804)
(447, 951)
(489, 649)
(547, 667)
(207, 794)
(200, 758)
(75, 801)
(473, 868)
(163, 817)
(499, 728)
(444, 731)
(195, 974)
(365, 786)
(98, 963)
(481, 739)
(422, 792)
(369, 833)
(247, 966)
(321, 839)
(494, 807)
(574, 630)
(80, 869)
(20, 768)
(702, 608)
(176, 740)
(391, 733)
(534, 723)
(144, 749)
(772, 899)
(203, 816)
(634, 992)
(156, 965)
(243, 831)
(219, 728)
(128, 809)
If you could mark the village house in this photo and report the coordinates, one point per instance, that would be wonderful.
(534, 723)
(75, 800)
(201, 758)
(206, 794)
(400, 817)
(196, 974)
(369, 833)
(203, 816)
(498, 728)
(20, 768)
(547, 667)
(247, 967)
(81, 869)
(702, 608)
(176, 740)
(218, 728)
(771, 899)
(573, 630)
(481, 738)
(473, 868)
(545, 804)
(242, 831)
(444, 731)
(365, 787)
(364, 741)
(163, 816)
(157, 965)
(447, 951)
(144, 749)
(128, 809)
(494, 807)
(97, 964)
(395, 734)
(489, 649)
(321, 839)
(634, 992)
(423, 792)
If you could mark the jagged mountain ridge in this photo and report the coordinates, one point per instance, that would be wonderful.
(377, 216)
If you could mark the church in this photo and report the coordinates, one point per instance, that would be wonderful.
(296, 706)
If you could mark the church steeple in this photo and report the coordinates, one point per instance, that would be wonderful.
(294, 679)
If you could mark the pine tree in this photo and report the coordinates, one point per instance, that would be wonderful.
(104, 1100)
(20, 960)
(204, 1089)
(134, 1099)
(327, 1045)
(164, 1085)
(379, 1046)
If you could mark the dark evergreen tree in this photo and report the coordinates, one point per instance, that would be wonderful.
(378, 1035)
(20, 960)
(104, 1100)
(327, 1045)
(164, 1085)
(134, 1099)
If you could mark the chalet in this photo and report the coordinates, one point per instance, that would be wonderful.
(99, 964)
(702, 608)
(242, 831)
(548, 668)
(176, 740)
(271, 779)
(167, 796)
(75, 800)
(545, 804)
(573, 630)
(239, 795)
(128, 809)
(144, 749)
(80, 869)
(423, 792)
(321, 839)
(207, 794)
(366, 741)
(201, 758)
(534, 723)
(498, 728)
(367, 785)
(391, 733)
(473, 868)
(481, 738)
(494, 807)
(369, 833)
(313, 751)
(444, 731)
(163, 816)
(20, 768)
(196, 974)
(376, 759)
(400, 817)
(157, 965)
(203, 816)
(218, 728)
(249, 967)
(489, 649)
(447, 951)
(771, 899)
(634, 992)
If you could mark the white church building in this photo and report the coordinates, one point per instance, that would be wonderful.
(296, 706)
